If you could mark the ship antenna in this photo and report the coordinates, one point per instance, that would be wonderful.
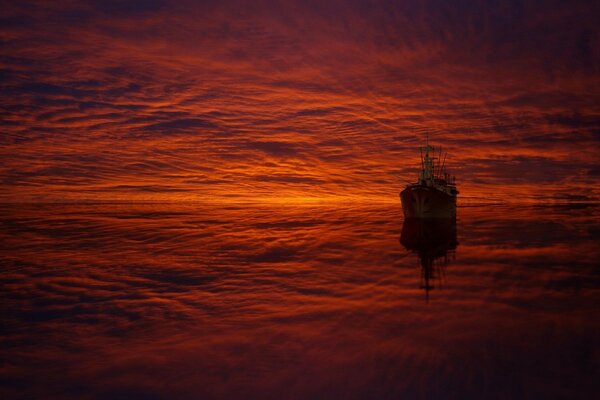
(439, 165)
(444, 164)
(422, 165)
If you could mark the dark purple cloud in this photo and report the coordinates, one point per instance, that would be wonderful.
(320, 90)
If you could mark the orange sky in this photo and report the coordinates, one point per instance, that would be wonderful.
(159, 100)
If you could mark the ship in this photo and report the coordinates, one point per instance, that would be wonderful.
(434, 194)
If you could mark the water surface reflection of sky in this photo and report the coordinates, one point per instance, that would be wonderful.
(188, 301)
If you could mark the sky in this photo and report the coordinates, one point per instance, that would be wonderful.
(297, 101)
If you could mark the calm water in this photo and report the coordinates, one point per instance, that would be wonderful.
(254, 302)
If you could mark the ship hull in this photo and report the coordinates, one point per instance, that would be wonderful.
(419, 201)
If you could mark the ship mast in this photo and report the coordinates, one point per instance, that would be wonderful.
(433, 167)
(428, 166)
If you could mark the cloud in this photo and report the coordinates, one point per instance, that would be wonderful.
(184, 124)
(318, 92)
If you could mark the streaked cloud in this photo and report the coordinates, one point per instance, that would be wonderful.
(188, 100)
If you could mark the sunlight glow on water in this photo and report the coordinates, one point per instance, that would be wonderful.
(187, 301)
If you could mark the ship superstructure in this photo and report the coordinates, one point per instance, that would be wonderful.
(434, 194)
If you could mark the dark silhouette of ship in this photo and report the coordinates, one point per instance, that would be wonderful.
(434, 195)
(434, 241)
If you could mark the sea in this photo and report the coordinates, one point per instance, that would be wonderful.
(317, 301)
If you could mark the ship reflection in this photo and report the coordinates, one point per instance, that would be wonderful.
(434, 241)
